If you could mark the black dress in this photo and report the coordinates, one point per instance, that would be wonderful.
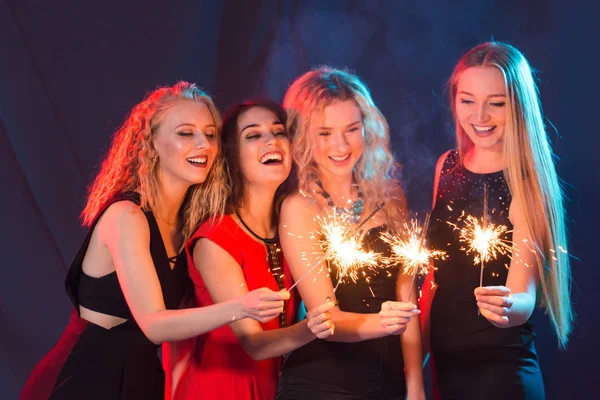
(372, 369)
(474, 359)
(91, 362)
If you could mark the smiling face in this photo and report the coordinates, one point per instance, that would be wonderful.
(338, 137)
(186, 143)
(481, 105)
(264, 147)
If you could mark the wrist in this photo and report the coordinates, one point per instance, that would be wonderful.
(237, 309)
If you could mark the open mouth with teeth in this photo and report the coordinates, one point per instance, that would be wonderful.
(198, 161)
(339, 159)
(272, 158)
(483, 130)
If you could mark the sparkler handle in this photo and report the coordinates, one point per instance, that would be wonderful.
(412, 284)
(480, 283)
(317, 263)
(364, 221)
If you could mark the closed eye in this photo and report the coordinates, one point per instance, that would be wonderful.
(185, 133)
(498, 104)
(466, 101)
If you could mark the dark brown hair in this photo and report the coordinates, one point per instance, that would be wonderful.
(231, 152)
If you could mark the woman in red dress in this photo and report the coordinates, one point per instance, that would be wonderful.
(238, 252)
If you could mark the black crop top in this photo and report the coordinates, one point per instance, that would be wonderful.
(104, 294)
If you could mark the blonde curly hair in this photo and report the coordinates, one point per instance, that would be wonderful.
(374, 171)
(131, 162)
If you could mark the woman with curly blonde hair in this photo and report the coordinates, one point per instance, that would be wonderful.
(162, 176)
(340, 142)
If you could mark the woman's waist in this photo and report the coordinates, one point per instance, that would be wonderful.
(381, 350)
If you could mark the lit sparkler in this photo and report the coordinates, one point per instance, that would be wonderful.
(409, 250)
(483, 240)
(342, 245)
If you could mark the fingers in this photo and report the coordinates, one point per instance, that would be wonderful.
(396, 315)
(506, 301)
(321, 325)
(501, 311)
(496, 319)
(397, 306)
(323, 308)
(270, 295)
(492, 291)
(398, 311)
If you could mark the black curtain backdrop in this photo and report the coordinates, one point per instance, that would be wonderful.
(70, 71)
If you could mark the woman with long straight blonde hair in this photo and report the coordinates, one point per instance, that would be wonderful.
(340, 143)
(480, 335)
(162, 176)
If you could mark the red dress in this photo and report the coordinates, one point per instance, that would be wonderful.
(220, 368)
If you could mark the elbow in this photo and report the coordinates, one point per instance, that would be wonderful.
(152, 331)
(254, 351)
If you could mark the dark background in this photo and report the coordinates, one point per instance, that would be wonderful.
(70, 70)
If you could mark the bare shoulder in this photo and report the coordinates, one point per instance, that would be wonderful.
(123, 217)
(440, 163)
(298, 214)
(298, 204)
(438, 171)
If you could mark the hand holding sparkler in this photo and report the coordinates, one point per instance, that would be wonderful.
(319, 320)
(396, 315)
(495, 303)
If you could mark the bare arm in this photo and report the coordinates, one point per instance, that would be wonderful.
(428, 289)
(295, 230)
(124, 230)
(513, 304)
(225, 280)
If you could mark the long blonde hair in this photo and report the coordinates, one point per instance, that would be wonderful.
(374, 171)
(131, 162)
(530, 174)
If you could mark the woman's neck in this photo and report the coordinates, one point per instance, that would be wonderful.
(257, 210)
(169, 200)
(341, 189)
(485, 160)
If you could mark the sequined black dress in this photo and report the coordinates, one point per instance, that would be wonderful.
(473, 358)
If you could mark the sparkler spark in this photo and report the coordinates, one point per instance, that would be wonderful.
(409, 250)
(343, 247)
(483, 240)
(340, 236)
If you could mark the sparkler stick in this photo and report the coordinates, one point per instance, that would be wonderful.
(485, 207)
(485, 223)
(421, 242)
(331, 250)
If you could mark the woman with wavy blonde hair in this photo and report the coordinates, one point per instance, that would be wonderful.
(162, 176)
(340, 143)
(503, 158)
